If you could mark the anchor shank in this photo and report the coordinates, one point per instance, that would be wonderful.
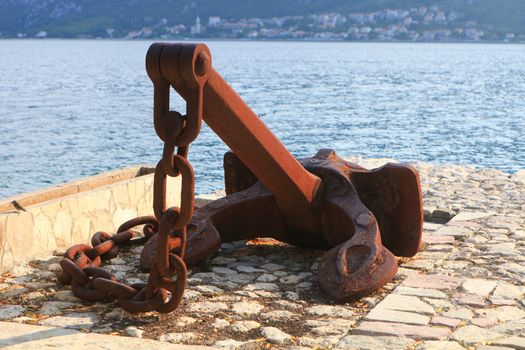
(261, 151)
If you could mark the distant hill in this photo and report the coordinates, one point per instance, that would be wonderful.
(119, 18)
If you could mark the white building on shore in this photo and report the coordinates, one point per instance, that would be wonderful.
(196, 29)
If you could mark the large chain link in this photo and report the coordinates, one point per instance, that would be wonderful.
(167, 280)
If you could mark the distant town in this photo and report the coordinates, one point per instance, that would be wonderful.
(425, 24)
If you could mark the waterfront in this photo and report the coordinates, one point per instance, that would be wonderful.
(76, 108)
(463, 290)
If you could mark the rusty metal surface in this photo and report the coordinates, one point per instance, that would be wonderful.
(362, 218)
(360, 240)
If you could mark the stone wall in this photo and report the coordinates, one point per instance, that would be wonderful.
(53, 219)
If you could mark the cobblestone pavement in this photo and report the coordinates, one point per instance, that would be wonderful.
(463, 290)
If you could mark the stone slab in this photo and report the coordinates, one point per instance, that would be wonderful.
(519, 176)
(363, 342)
(468, 216)
(513, 342)
(454, 231)
(77, 320)
(481, 287)
(508, 291)
(440, 282)
(445, 321)
(469, 299)
(435, 239)
(23, 336)
(401, 330)
(381, 314)
(440, 345)
(470, 335)
(405, 303)
(503, 313)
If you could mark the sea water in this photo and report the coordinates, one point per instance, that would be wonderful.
(74, 108)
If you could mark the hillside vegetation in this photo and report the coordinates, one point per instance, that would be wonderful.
(74, 18)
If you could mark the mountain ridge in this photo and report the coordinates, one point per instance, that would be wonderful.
(119, 18)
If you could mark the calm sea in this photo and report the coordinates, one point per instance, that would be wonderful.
(70, 109)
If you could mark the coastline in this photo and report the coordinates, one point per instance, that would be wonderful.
(203, 39)
(370, 162)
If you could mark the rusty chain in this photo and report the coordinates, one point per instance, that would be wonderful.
(168, 274)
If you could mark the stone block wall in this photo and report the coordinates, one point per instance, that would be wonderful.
(51, 220)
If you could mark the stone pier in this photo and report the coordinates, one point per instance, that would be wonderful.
(464, 289)
(53, 219)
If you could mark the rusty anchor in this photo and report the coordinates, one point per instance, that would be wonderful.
(362, 218)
